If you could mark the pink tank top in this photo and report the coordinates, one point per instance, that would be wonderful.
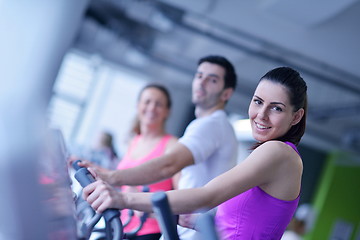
(151, 225)
(255, 215)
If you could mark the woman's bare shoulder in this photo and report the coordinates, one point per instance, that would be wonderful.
(276, 150)
(275, 145)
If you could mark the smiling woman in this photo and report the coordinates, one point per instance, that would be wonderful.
(279, 106)
(150, 140)
(271, 117)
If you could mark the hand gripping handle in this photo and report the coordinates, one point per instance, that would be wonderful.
(84, 177)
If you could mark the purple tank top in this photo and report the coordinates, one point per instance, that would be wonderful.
(255, 215)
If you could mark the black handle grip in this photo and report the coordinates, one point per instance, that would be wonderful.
(84, 177)
(75, 165)
(165, 217)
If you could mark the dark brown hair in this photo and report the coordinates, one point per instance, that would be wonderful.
(230, 74)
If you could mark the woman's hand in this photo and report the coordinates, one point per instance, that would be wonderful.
(82, 163)
(101, 196)
(102, 173)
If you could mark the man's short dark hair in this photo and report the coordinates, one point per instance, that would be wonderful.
(230, 74)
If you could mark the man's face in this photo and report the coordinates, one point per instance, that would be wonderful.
(208, 85)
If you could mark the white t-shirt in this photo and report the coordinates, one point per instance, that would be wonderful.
(213, 144)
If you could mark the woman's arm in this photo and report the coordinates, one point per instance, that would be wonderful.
(259, 169)
(156, 169)
(273, 166)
